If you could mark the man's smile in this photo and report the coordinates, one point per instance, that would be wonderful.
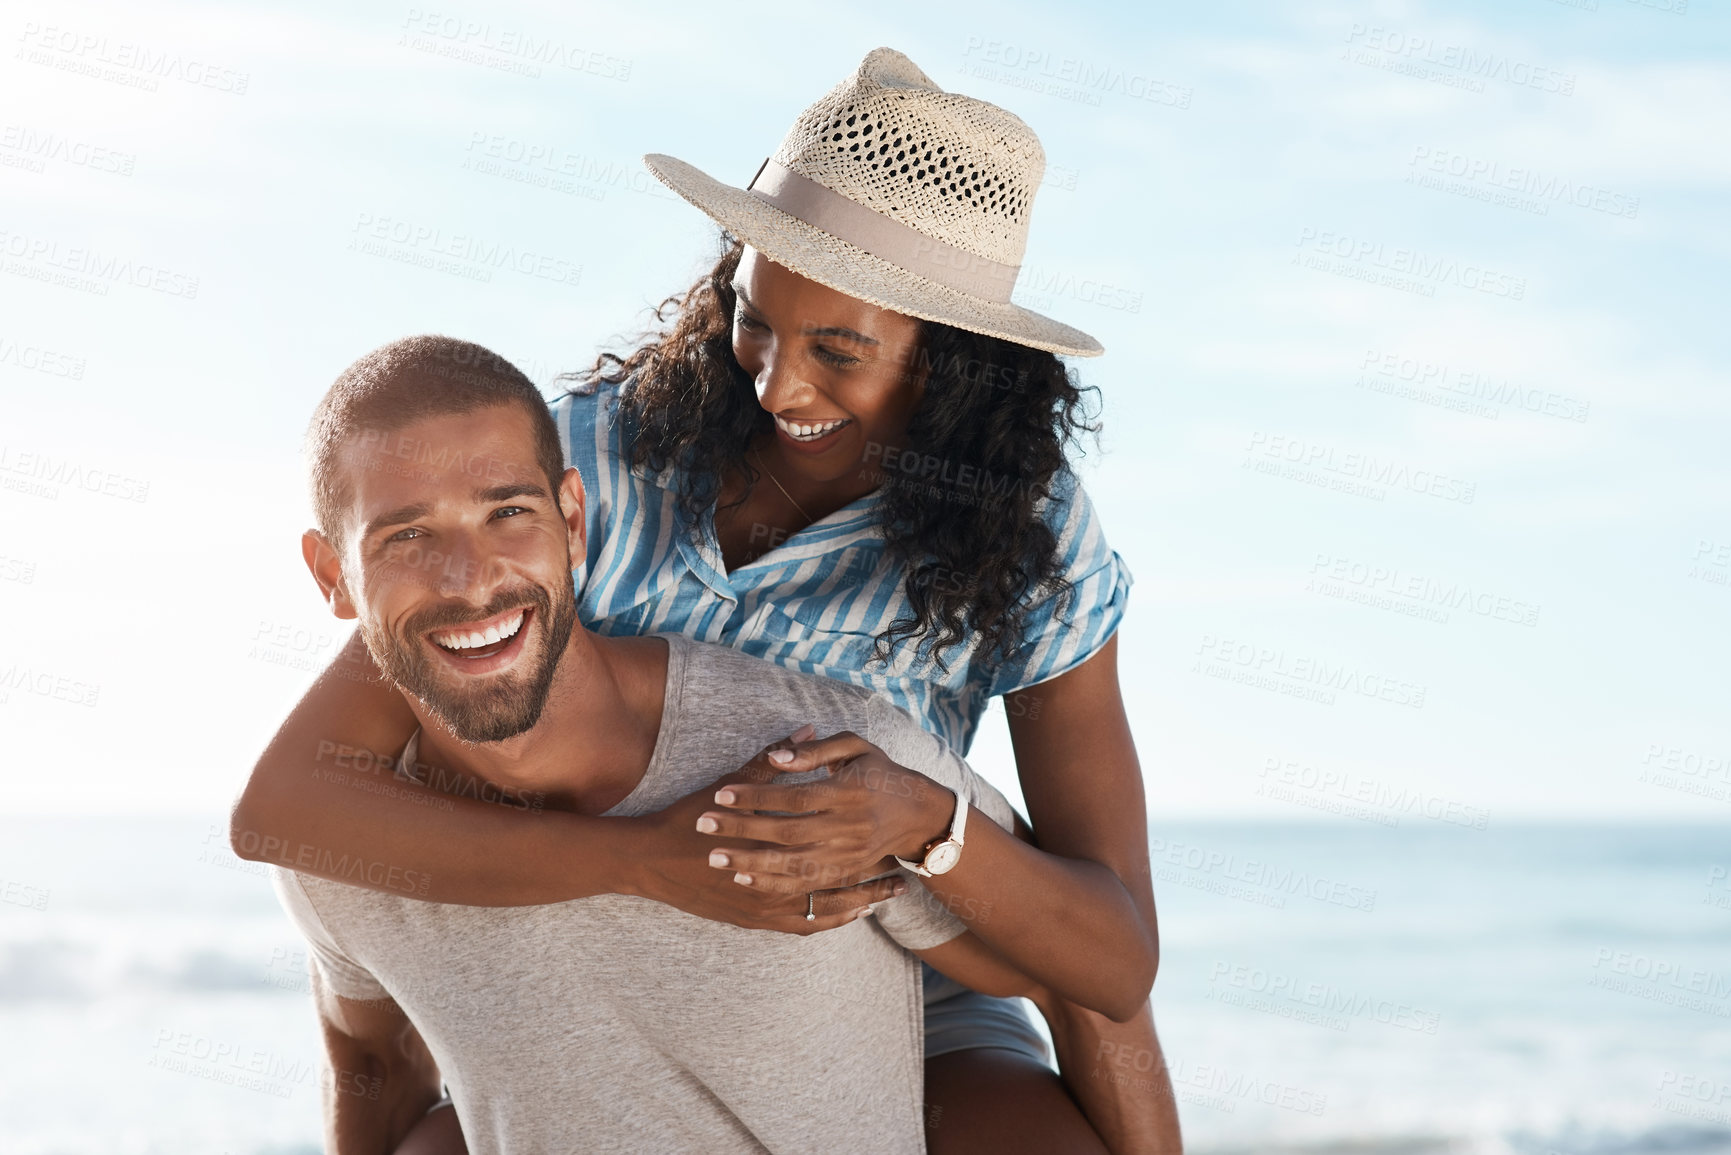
(499, 637)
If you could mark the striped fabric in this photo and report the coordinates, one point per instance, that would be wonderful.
(817, 601)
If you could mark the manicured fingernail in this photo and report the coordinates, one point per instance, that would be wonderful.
(725, 797)
(708, 825)
(901, 888)
(804, 732)
(718, 858)
(781, 755)
(742, 879)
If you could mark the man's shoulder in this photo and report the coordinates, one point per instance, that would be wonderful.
(904, 739)
(705, 657)
(307, 898)
(729, 680)
(720, 671)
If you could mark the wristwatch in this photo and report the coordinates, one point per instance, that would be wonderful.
(942, 854)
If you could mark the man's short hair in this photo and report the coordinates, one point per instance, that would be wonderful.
(407, 381)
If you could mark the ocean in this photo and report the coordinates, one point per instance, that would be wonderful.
(1408, 983)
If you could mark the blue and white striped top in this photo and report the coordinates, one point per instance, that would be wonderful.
(817, 601)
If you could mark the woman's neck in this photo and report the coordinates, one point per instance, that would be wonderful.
(815, 500)
(772, 513)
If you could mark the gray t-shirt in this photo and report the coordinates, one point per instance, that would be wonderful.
(616, 1023)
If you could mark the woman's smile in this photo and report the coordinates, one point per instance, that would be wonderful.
(810, 436)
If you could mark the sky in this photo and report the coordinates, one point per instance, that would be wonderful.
(1414, 421)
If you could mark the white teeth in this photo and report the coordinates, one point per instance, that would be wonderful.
(470, 640)
(805, 432)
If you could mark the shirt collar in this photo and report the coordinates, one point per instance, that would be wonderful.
(851, 526)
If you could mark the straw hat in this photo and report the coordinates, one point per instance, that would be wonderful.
(891, 190)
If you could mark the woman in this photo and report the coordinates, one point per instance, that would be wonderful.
(919, 534)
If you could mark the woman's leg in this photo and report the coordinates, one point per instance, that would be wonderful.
(994, 1101)
(988, 1086)
(1118, 1075)
(436, 1134)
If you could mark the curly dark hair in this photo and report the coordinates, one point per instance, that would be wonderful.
(959, 504)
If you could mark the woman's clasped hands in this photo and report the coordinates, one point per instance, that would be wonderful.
(866, 811)
(762, 854)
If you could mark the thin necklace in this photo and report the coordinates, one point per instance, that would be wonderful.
(808, 517)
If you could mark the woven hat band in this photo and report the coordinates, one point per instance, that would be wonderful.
(881, 236)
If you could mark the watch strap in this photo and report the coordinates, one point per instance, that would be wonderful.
(958, 827)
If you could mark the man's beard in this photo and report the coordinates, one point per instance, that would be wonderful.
(502, 707)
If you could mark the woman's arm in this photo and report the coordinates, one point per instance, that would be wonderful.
(974, 964)
(1067, 923)
(1083, 786)
(1082, 781)
(324, 799)
(325, 792)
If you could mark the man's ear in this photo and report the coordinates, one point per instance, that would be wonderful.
(327, 569)
(571, 503)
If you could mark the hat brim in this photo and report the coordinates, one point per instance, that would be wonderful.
(846, 268)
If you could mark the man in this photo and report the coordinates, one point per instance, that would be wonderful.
(611, 1022)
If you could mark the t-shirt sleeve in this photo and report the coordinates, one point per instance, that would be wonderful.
(1064, 630)
(341, 973)
(918, 920)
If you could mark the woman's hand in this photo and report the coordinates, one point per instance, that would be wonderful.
(674, 868)
(821, 833)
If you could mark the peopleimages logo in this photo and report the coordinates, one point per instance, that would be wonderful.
(40, 360)
(1290, 781)
(505, 48)
(1662, 980)
(1256, 872)
(1322, 1004)
(45, 473)
(1687, 771)
(135, 65)
(20, 894)
(1301, 675)
(1392, 582)
(1469, 384)
(910, 465)
(38, 256)
(1360, 467)
(1423, 56)
(1069, 77)
(1544, 189)
(463, 254)
(328, 864)
(1237, 1086)
(1421, 267)
(26, 679)
(546, 165)
(37, 148)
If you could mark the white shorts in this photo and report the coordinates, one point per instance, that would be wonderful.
(960, 1019)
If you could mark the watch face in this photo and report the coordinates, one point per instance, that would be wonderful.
(942, 857)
